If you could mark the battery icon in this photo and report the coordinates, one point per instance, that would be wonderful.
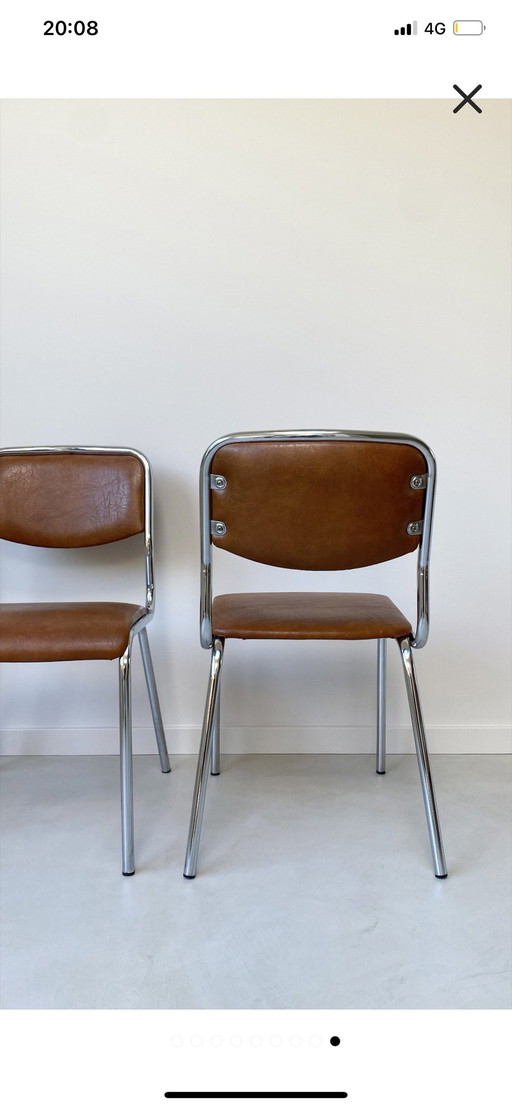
(468, 27)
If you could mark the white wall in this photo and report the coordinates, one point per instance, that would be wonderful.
(177, 270)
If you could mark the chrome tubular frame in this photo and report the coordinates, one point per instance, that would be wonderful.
(203, 763)
(215, 760)
(420, 635)
(153, 700)
(427, 785)
(126, 763)
(138, 629)
(381, 705)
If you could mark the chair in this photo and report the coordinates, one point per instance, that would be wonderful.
(315, 500)
(80, 496)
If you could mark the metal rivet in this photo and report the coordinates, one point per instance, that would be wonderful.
(218, 528)
(419, 481)
(415, 528)
(217, 481)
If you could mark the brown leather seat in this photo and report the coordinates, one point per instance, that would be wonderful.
(66, 632)
(315, 500)
(307, 615)
(76, 497)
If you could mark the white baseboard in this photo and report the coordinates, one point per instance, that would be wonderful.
(258, 740)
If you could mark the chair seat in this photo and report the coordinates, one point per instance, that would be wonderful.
(288, 615)
(65, 632)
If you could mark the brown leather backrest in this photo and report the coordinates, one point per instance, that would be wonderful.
(317, 505)
(70, 500)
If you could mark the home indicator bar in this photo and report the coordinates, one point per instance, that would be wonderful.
(258, 1096)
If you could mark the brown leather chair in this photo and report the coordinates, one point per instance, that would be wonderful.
(315, 500)
(80, 496)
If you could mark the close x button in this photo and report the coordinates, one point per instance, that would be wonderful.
(467, 99)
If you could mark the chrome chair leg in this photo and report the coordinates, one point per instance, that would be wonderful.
(149, 674)
(215, 758)
(196, 817)
(427, 786)
(381, 705)
(125, 734)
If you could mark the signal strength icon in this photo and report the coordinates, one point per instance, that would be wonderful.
(409, 29)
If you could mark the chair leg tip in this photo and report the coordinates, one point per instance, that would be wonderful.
(441, 876)
(189, 876)
(128, 872)
(381, 772)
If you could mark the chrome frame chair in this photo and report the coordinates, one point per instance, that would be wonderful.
(138, 629)
(213, 530)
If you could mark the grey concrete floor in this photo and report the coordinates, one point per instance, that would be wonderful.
(315, 886)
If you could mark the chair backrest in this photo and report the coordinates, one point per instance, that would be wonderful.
(317, 500)
(76, 496)
(69, 498)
